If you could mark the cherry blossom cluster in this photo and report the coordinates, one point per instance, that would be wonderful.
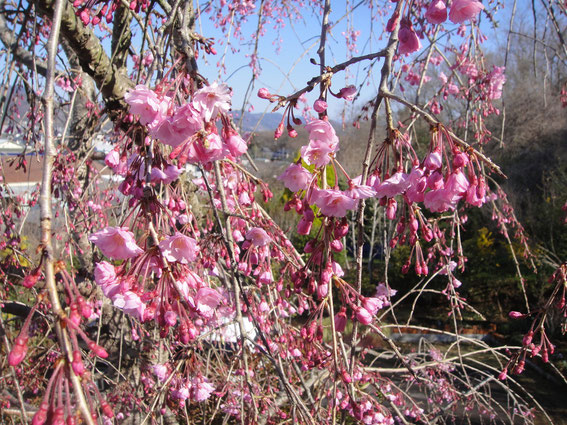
(459, 12)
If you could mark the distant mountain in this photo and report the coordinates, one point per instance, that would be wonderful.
(256, 121)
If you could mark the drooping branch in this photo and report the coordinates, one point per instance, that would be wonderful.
(46, 209)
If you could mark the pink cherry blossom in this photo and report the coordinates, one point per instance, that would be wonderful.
(333, 203)
(175, 130)
(170, 174)
(393, 186)
(417, 185)
(258, 236)
(436, 12)
(206, 301)
(359, 191)
(433, 161)
(130, 303)
(236, 144)
(206, 150)
(116, 242)
(496, 82)
(212, 100)
(320, 106)
(363, 316)
(462, 10)
(372, 304)
(179, 248)
(160, 371)
(317, 153)
(146, 103)
(347, 93)
(105, 274)
(409, 42)
(200, 389)
(322, 130)
(296, 177)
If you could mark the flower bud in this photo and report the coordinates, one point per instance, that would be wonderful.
(77, 363)
(263, 93)
(97, 350)
(40, 416)
(337, 245)
(18, 352)
(341, 229)
(340, 320)
(106, 409)
(320, 106)
(363, 316)
(515, 315)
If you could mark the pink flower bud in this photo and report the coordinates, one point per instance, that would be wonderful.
(503, 375)
(292, 132)
(391, 209)
(85, 17)
(340, 320)
(433, 161)
(527, 340)
(106, 409)
(18, 352)
(515, 315)
(460, 159)
(58, 417)
(322, 290)
(347, 93)
(304, 226)
(279, 131)
(320, 106)
(263, 93)
(31, 279)
(97, 350)
(77, 364)
(40, 416)
(341, 229)
(363, 316)
(519, 367)
(337, 245)
(393, 22)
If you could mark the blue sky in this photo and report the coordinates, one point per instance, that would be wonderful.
(285, 65)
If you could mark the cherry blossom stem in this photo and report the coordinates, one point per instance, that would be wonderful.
(235, 283)
(432, 121)
(46, 208)
(385, 75)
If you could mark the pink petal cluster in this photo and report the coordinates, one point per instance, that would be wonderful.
(323, 142)
(170, 174)
(462, 10)
(446, 198)
(119, 293)
(296, 177)
(409, 42)
(175, 130)
(496, 80)
(206, 301)
(146, 103)
(393, 186)
(436, 12)
(332, 202)
(116, 242)
(258, 236)
(212, 100)
(179, 248)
